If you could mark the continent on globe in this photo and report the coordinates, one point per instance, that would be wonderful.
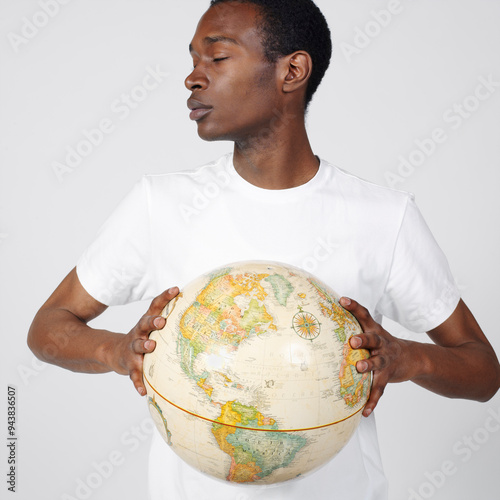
(354, 386)
(216, 319)
(254, 455)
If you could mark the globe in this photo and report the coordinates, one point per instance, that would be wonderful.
(253, 379)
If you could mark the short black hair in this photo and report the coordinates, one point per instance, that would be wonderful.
(292, 25)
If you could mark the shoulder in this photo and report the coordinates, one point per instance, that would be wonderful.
(366, 206)
(369, 198)
(199, 177)
(352, 185)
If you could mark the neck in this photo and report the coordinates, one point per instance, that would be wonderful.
(282, 159)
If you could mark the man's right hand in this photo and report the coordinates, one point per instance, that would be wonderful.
(127, 358)
(60, 335)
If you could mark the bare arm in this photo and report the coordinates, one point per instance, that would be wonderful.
(60, 335)
(461, 363)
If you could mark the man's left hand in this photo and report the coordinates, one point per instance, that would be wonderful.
(388, 360)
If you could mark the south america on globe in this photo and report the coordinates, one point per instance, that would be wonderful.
(253, 379)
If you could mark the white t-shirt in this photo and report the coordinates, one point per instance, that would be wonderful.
(367, 242)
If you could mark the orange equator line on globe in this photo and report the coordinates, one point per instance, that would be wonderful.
(248, 428)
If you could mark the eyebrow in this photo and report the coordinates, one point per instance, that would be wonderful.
(210, 40)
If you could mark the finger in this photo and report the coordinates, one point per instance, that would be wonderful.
(136, 377)
(376, 393)
(359, 312)
(369, 340)
(143, 346)
(161, 301)
(147, 324)
(377, 362)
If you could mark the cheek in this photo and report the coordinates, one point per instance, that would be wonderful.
(251, 84)
(239, 107)
(250, 101)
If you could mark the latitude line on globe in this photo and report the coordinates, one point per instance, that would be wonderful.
(241, 426)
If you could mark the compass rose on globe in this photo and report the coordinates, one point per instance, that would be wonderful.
(306, 325)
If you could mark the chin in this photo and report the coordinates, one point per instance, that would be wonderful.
(211, 135)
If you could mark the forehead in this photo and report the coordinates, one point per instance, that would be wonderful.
(229, 22)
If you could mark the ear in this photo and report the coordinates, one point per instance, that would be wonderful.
(298, 70)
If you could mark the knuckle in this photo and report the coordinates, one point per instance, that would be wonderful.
(136, 374)
(145, 324)
(398, 349)
(134, 345)
(138, 346)
(362, 312)
(370, 339)
(380, 340)
(382, 361)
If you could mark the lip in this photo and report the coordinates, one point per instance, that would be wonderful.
(198, 109)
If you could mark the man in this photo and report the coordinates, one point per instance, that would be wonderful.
(257, 64)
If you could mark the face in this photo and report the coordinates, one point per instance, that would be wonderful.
(234, 90)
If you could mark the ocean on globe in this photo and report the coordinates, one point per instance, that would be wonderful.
(253, 379)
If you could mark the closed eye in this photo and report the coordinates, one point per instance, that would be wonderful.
(217, 59)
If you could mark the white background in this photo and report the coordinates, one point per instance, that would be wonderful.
(66, 75)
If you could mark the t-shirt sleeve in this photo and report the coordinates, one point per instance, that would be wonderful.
(421, 292)
(115, 268)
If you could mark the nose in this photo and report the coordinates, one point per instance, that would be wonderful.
(196, 80)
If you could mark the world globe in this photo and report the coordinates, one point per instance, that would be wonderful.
(253, 379)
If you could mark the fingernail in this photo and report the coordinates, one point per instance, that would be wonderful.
(148, 344)
(363, 365)
(158, 322)
(171, 290)
(367, 412)
(141, 391)
(345, 301)
(355, 342)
